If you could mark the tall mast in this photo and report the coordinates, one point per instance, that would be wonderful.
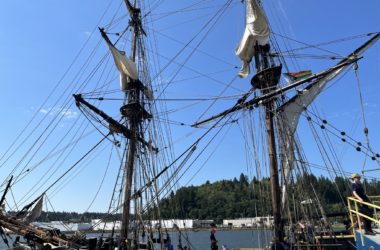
(266, 80)
(133, 97)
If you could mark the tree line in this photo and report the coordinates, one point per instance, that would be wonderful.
(237, 198)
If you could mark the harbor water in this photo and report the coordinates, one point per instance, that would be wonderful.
(201, 239)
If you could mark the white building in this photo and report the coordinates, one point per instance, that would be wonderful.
(98, 225)
(266, 221)
(182, 224)
(63, 227)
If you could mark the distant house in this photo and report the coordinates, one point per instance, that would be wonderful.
(266, 221)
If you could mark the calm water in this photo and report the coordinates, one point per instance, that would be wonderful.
(237, 239)
(201, 240)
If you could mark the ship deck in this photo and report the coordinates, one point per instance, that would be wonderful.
(369, 240)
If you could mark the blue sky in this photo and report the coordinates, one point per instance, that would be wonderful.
(39, 41)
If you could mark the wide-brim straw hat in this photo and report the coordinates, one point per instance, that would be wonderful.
(355, 175)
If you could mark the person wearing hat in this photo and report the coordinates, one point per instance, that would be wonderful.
(359, 193)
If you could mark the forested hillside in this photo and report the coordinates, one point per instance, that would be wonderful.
(238, 198)
(228, 199)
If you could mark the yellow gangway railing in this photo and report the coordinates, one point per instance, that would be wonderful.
(354, 211)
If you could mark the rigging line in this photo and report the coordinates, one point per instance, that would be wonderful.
(83, 165)
(172, 25)
(341, 133)
(31, 191)
(250, 144)
(326, 168)
(333, 152)
(310, 56)
(210, 155)
(172, 122)
(189, 152)
(36, 150)
(109, 212)
(278, 91)
(152, 8)
(325, 157)
(184, 9)
(187, 44)
(188, 68)
(197, 49)
(331, 42)
(310, 45)
(84, 112)
(357, 145)
(46, 138)
(170, 13)
(50, 110)
(67, 134)
(199, 76)
(113, 17)
(214, 19)
(286, 43)
(177, 171)
(52, 208)
(75, 164)
(327, 138)
(101, 182)
(221, 93)
(338, 164)
(60, 152)
(42, 134)
(51, 154)
(55, 86)
(362, 110)
(14, 200)
(198, 140)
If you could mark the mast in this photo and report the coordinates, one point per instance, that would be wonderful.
(133, 97)
(266, 80)
(133, 114)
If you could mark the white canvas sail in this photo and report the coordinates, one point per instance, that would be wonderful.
(123, 64)
(256, 30)
(289, 115)
(126, 67)
(35, 212)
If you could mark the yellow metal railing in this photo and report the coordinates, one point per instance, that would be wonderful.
(355, 212)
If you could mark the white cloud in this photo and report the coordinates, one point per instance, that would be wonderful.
(87, 33)
(370, 105)
(67, 113)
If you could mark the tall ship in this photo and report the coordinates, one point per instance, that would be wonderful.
(159, 89)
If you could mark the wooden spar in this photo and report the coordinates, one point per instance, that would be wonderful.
(241, 104)
(113, 124)
(133, 96)
(21, 228)
(6, 191)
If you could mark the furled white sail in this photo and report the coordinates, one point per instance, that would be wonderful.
(256, 30)
(35, 212)
(123, 64)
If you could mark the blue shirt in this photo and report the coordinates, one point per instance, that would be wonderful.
(168, 246)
